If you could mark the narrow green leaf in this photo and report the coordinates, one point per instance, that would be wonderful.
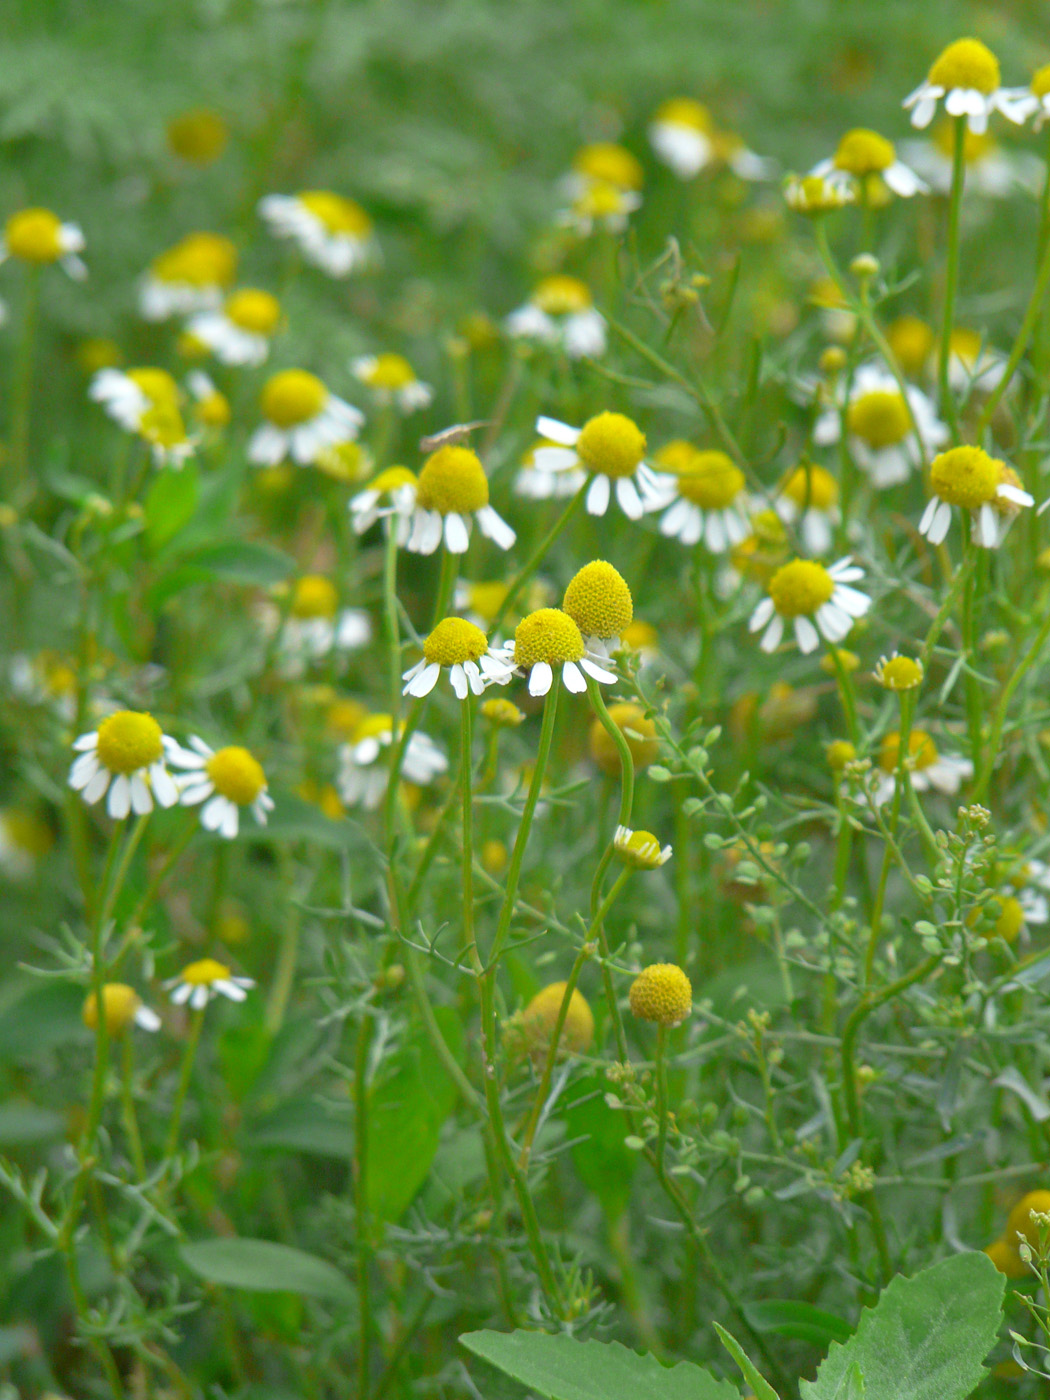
(261, 1266)
(800, 1321)
(754, 1377)
(170, 504)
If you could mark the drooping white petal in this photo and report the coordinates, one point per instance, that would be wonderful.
(423, 682)
(629, 499)
(457, 536)
(141, 799)
(495, 528)
(572, 677)
(773, 634)
(806, 635)
(763, 612)
(598, 496)
(118, 804)
(541, 678)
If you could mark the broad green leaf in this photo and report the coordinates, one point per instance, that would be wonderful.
(170, 504)
(606, 1167)
(925, 1339)
(800, 1321)
(562, 1368)
(754, 1377)
(261, 1266)
(406, 1111)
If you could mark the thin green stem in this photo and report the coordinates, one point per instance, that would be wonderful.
(537, 557)
(661, 1094)
(22, 392)
(127, 1099)
(391, 622)
(466, 768)
(951, 278)
(185, 1074)
(361, 1212)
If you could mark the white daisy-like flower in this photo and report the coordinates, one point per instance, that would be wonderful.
(603, 163)
(333, 233)
(681, 134)
(453, 490)
(548, 640)
(929, 769)
(611, 448)
(392, 380)
(640, 849)
(808, 499)
(202, 981)
(966, 77)
(224, 780)
(817, 194)
(302, 418)
(710, 502)
(364, 768)
(390, 497)
(601, 207)
(985, 487)
(121, 1007)
(863, 156)
(316, 625)
(881, 426)
(1036, 97)
(819, 602)
(190, 277)
(37, 236)
(535, 484)
(146, 401)
(127, 757)
(211, 407)
(463, 650)
(599, 602)
(242, 331)
(561, 312)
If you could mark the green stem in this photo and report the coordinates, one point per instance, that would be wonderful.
(951, 279)
(23, 383)
(127, 1098)
(446, 583)
(390, 621)
(661, 1094)
(466, 768)
(1028, 325)
(189, 1056)
(903, 754)
(361, 1214)
(130, 847)
(537, 557)
(165, 870)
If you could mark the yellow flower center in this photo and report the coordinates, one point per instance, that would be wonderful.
(157, 384)
(213, 410)
(661, 993)
(119, 1004)
(966, 345)
(639, 635)
(198, 136)
(712, 480)
(199, 259)
(541, 1016)
(391, 371)
(862, 152)
(839, 753)
(800, 587)
(609, 164)
(880, 419)
(453, 481)
(1041, 81)
(675, 456)
(813, 486)
(684, 111)
(599, 201)
(826, 294)
(254, 310)
(291, 397)
(611, 444)
(922, 751)
(1019, 1221)
(236, 774)
(453, 641)
(503, 713)
(636, 727)
(392, 479)
(900, 673)
(561, 295)
(1011, 918)
(315, 596)
(599, 601)
(204, 973)
(344, 461)
(373, 727)
(813, 194)
(911, 341)
(486, 599)
(339, 215)
(966, 64)
(162, 424)
(129, 741)
(641, 850)
(344, 717)
(34, 235)
(548, 635)
(965, 476)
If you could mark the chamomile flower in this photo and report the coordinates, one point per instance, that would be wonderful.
(225, 780)
(121, 1007)
(126, 756)
(302, 417)
(604, 163)
(316, 625)
(38, 237)
(463, 650)
(600, 206)
(864, 157)
(928, 768)
(211, 408)
(983, 486)
(204, 980)
(127, 395)
(540, 485)
(599, 602)
(881, 426)
(549, 639)
(819, 602)
(640, 849)
(681, 134)
(809, 499)
(611, 448)
(966, 77)
(390, 497)
(709, 504)
(898, 673)
(913, 342)
(392, 380)
(192, 276)
(241, 333)
(561, 312)
(1038, 97)
(333, 233)
(364, 768)
(451, 491)
(816, 194)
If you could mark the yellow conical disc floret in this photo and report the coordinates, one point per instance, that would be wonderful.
(612, 444)
(119, 1004)
(880, 418)
(453, 641)
(899, 673)
(254, 310)
(502, 713)
(157, 384)
(811, 486)
(711, 480)
(390, 371)
(541, 1016)
(800, 587)
(685, 111)
(562, 296)
(392, 479)
(129, 741)
(636, 727)
(339, 215)
(1040, 86)
(863, 152)
(547, 635)
(314, 596)
(1010, 921)
(838, 753)
(640, 850)
(922, 751)
(966, 64)
(204, 972)
(661, 993)
(35, 235)
(599, 601)
(200, 259)
(236, 774)
(912, 341)
(291, 397)
(609, 164)
(965, 476)
(453, 481)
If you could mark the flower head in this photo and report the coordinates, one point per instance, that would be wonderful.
(606, 163)
(224, 780)
(640, 849)
(912, 341)
(198, 983)
(600, 205)
(599, 602)
(364, 770)
(540, 1018)
(463, 650)
(927, 767)
(538, 483)
(451, 490)
(189, 277)
(392, 380)
(681, 134)
(809, 496)
(121, 1007)
(126, 757)
(301, 418)
(899, 673)
(333, 233)
(862, 159)
(549, 638)
(241, 332)
(816, 194)
(636, 727)
(966, 76)
(661, 993)
(887, 431)
(560, 312)
(610, 447)
(39, 237)
(818, 601)
(316, 625)
(210, 407)
(390, 497)
(709, 501)
(985, 487)
(501, 713)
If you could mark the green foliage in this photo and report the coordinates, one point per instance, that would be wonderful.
(260, 1266)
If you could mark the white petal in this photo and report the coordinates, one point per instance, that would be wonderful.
(554, 459)
(459, 681)
(540, 678)
(182, 993)
(97, 786)
(763, 612)
(141, 798)
(572, 678)
(598, 672)
(457, 536)
(774, 632)
(424, 682)
(147, 1019)
(942, 519)
(927, 516)
(165, 789)
(213, 812)
(598, 496)
(230, 821)
(629, 499)
(118, 804)
(554, 430)
(199, 998)
(495, 528)
(806, 635)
